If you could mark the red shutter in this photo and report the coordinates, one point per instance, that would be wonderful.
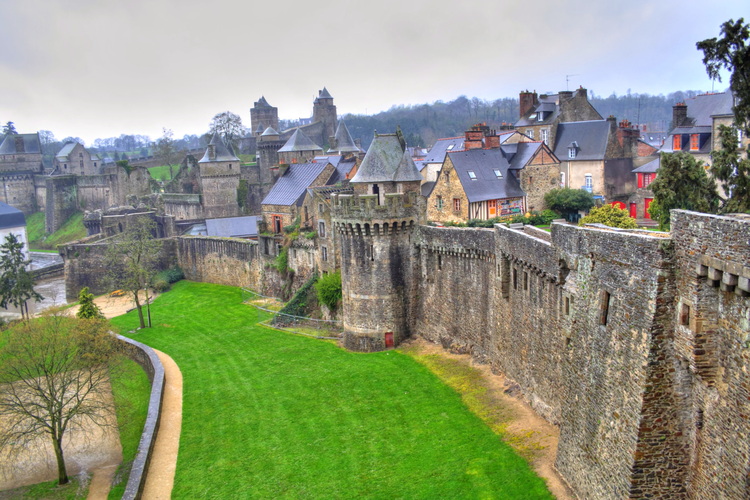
(640, 180)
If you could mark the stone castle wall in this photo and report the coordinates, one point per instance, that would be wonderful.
(225, 261)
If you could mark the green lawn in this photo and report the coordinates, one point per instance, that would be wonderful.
(268, 414)
(73, 229)
(161, 173)
(132, 390)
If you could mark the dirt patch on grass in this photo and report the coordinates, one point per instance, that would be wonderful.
(497, 401)
(112, 306)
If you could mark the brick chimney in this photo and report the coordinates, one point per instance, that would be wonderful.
(526, 102)
(679, 114)
(565, 95)
(627, 134)
(473, 138)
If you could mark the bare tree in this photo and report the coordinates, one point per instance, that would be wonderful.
(228, 126)
(132, 260)
(53, 379)
(166, 151)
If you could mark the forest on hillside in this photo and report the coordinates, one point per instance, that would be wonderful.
(423, 124)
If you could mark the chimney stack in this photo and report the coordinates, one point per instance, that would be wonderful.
(679, 114)
(526, 102)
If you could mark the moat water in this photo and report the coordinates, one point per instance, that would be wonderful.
(52, 289)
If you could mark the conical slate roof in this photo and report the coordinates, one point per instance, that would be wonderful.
(221, 152)
(387, 160)
(344, 141)
(269, 131)
(299, 142)
(324, 94)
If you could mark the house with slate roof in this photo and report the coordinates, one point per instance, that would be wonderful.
(597, 156)
(540, 114)
(484, 183)
(696, 125)
(73, 158)
(286, 200)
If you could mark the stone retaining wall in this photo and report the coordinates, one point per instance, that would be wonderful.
(149, 361)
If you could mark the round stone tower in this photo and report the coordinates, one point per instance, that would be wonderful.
(325, 111)
(375, 227)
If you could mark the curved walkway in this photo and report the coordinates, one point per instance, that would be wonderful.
(160, 478)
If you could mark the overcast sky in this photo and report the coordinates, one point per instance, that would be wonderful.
(101, 68)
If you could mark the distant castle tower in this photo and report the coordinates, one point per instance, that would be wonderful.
(263, 116)
(375, 226)
(219, 179)
(267, 145)
(325, 111)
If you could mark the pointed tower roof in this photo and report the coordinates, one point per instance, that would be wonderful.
(387, 160)
(218, 151)
(262, 103)
(269, 131)
(343, 140)
(324, 94)
(299, 142)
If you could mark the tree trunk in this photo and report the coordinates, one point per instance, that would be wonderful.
(62, 474)
(140, 311)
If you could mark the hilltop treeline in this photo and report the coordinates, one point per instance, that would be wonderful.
(422, 124)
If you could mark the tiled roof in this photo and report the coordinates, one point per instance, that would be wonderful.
(233, 227)
(590, 138)
(486, 185)
(324, 94)
(290, 188)
(222, 151)
(427, 188)
(387, 161)
(11, 217)
(441, 147)
(30, 143)
(548, 104)
(299, 142)
(269, 131)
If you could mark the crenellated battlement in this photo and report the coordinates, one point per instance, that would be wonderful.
(362, 208)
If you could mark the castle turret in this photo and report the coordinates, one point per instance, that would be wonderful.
(375, 226)
(219, 179)
(325, 111)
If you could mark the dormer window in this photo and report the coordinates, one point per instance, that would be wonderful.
(498, 173)
(572, 150)
(695, 142)
(472, 175)
(540, 116)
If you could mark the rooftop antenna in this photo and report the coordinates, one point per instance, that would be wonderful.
(567, 81)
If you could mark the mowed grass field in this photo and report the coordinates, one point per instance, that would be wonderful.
(267, 414)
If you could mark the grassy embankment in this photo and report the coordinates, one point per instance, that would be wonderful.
(72, 230)
(161, 173)
(268, 414)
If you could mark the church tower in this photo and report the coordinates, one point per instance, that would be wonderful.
(375, 227)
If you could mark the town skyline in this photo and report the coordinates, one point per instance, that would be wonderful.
(102, 69)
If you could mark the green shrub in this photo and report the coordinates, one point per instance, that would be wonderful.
(328, 287)
(281, 264)
(161, 285)
(172, 275)
(311, 235)
(611, 216)
(297, 305)
(87, 309)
